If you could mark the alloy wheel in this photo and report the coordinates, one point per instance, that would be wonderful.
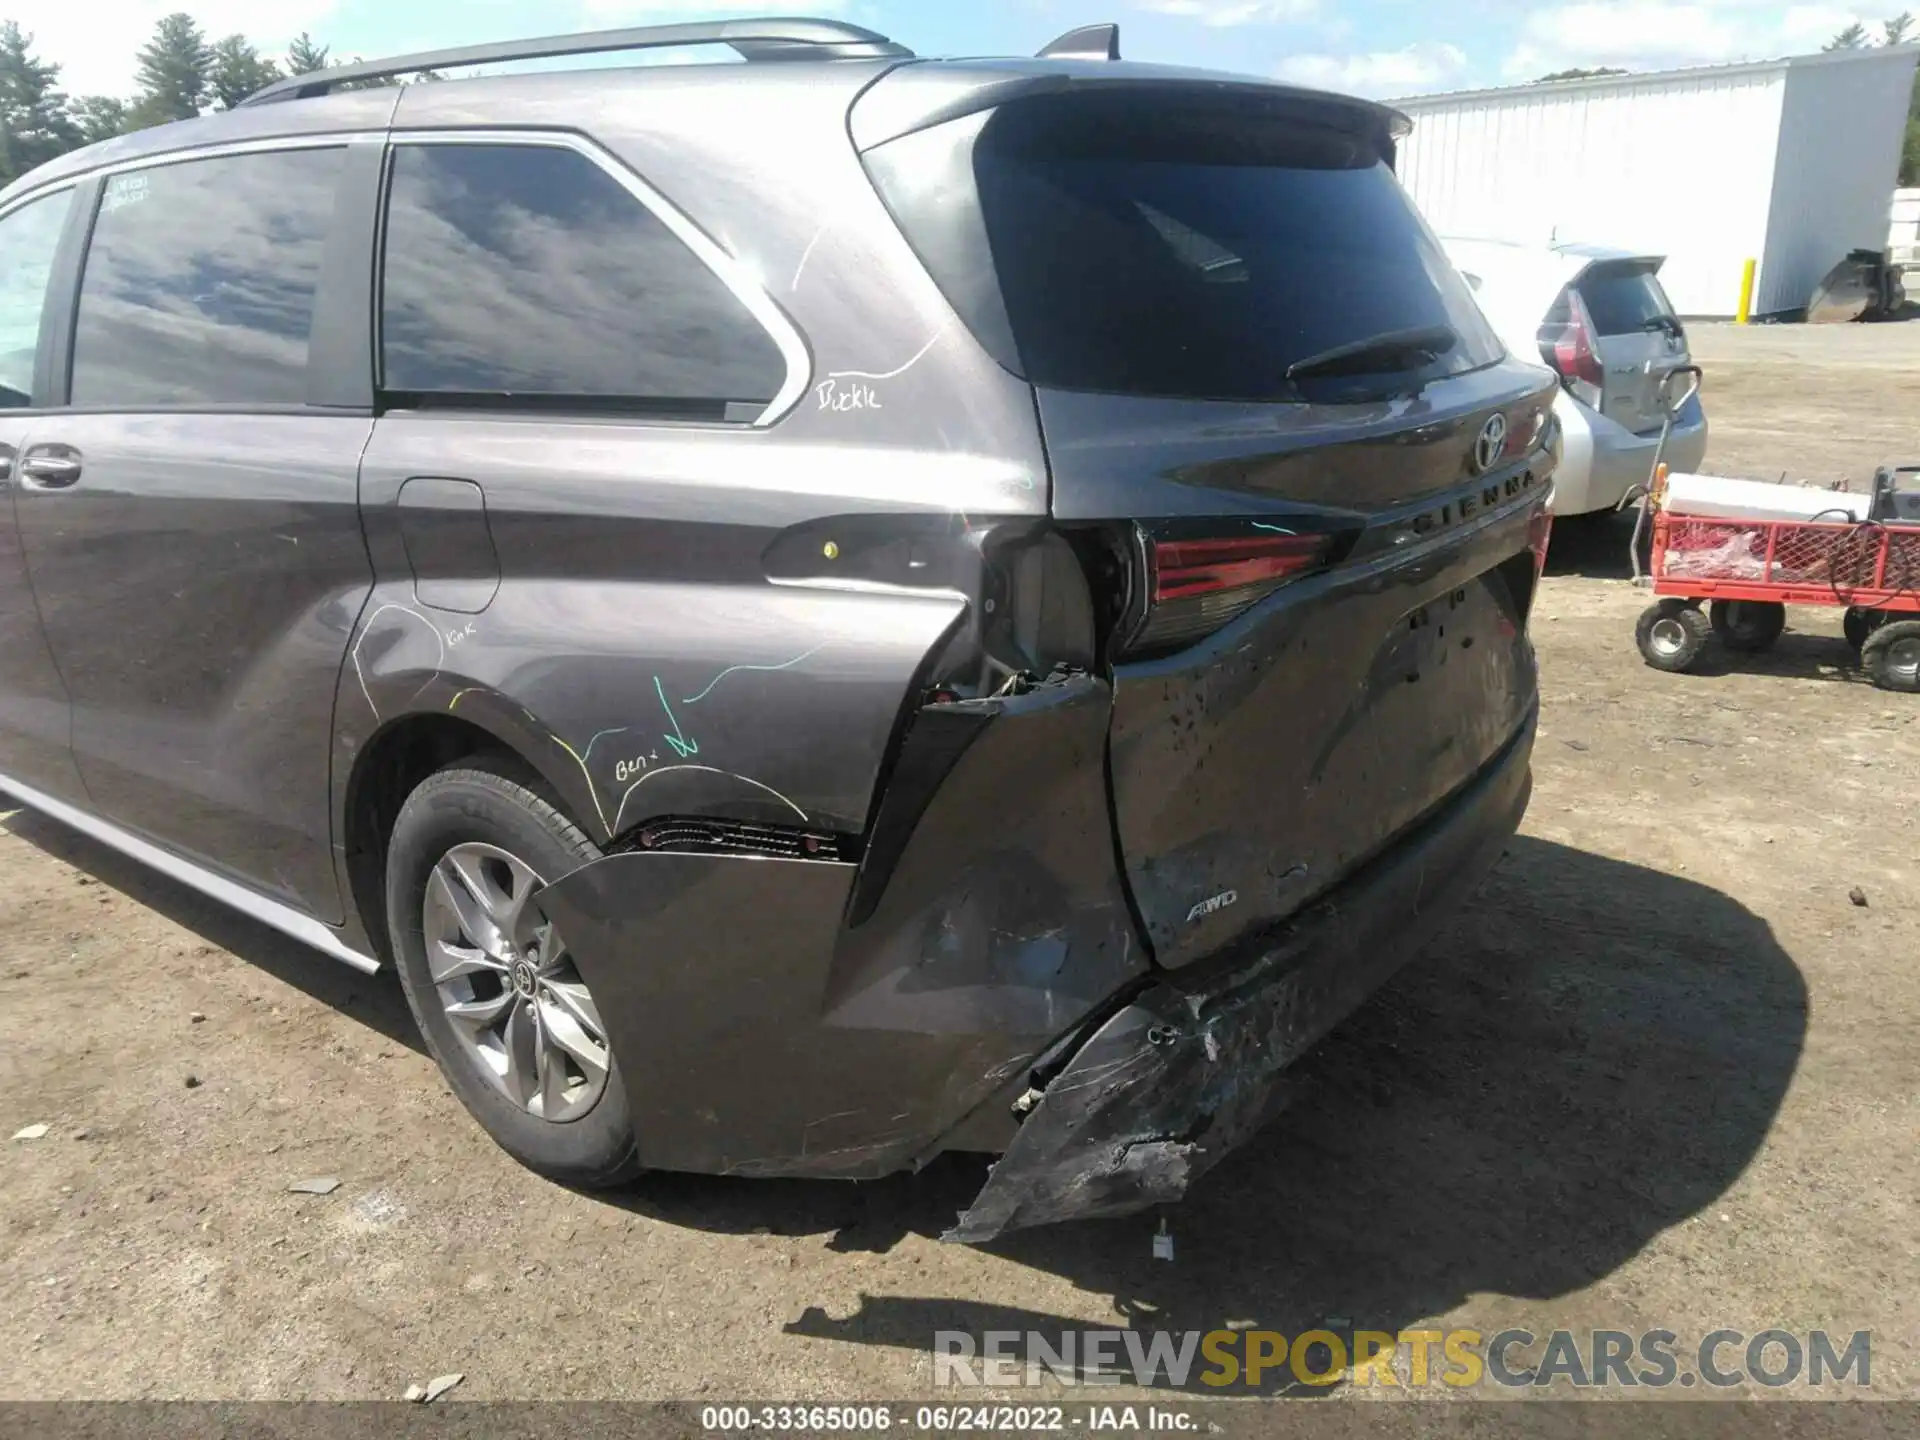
(518, 1007)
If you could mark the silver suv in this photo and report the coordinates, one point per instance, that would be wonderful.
(1601, 320)
(817, 611)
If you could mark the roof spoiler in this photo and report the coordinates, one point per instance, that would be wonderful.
(1089, 42)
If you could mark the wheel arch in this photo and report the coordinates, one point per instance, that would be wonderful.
(406, 749)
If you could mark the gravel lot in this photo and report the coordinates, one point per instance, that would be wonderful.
(1662, 1073)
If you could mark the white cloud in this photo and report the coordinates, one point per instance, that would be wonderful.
(1231, 12)
(1647, 35)
(1429, 65)
(94, 41)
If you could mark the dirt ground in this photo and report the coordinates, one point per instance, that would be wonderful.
(1661, 1073)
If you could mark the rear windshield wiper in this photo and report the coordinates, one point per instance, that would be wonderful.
(1378, 352)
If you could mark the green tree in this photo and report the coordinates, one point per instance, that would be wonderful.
(1854, 37)
(34, 124)
(238, 71)
(175, 68)
(1896, 30)
(304, 57)
(99, 117)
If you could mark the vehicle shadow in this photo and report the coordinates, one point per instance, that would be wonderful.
(1796, 655)
(1592, 546)
(374, 1000)
(1590, 1054)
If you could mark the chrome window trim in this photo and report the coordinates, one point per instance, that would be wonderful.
(306, 140)
(740, 282)
(46, 192)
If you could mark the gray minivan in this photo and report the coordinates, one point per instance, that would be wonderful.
(817, 611)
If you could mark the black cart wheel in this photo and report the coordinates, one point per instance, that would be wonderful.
(1858, 625)
(1671, 634)
(1892, 656)
(1749, 625)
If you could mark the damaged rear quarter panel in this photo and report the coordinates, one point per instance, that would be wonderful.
(758, 1033)
(634, 650)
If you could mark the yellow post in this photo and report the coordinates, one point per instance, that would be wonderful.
(1746, 293)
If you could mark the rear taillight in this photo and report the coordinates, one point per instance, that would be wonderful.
(1569, 350)
(1183, 569)
(1196, 585)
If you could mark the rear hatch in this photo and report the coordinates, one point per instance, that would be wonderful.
(1308, 482)
(1617, 314)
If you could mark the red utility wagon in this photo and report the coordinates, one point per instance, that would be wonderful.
(1748, 571)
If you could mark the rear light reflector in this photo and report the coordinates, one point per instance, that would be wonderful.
(1198, 585)
(1572, 355)
(1184, 568)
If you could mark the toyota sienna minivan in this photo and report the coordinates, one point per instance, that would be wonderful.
(817, 611)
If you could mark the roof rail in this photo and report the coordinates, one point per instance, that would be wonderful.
(756, 40)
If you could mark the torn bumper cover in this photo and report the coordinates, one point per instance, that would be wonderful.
(1189, 1068)
(772, 1017)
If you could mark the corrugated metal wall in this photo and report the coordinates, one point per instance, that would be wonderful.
(1680, 165)
(1788, 163)
(1840, 136)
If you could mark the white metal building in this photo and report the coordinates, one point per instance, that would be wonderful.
(1786, 162)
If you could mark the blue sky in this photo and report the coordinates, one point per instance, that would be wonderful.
(1376, 47)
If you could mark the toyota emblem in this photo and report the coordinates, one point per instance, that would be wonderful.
(1493, 440)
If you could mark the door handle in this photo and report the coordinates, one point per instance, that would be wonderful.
(50, 467)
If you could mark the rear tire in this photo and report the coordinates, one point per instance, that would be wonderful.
(1672, 635)
(1748, 625)
(1892, 656)
(503, 1010)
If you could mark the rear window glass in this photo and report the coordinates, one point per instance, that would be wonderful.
(1624, 301)
(1199, 251)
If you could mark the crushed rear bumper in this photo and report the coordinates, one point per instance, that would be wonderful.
(1189, 1067)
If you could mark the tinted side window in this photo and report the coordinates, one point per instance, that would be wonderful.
(530, 271)
(28, 238)
(199, 283)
